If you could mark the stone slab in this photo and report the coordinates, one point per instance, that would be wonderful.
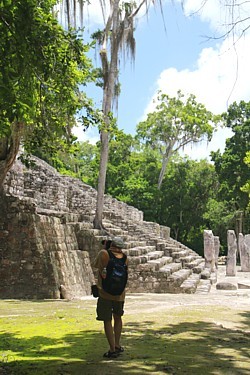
(226, 286)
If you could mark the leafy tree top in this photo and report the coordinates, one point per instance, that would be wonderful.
(176, 122)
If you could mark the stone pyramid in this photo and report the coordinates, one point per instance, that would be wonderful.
(49, 241)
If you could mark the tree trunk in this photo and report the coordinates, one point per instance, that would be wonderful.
(165, 159)
(163, 169)
(9, 147)
(101, 180)
(110, 73)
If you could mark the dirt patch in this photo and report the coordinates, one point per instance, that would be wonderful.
(239, 298)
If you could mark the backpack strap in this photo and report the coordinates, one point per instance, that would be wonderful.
(111, 255)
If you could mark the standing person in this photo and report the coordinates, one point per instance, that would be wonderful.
(112, 278)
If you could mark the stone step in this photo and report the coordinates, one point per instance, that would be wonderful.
(131, 243)
(190, 284)
(203, 287)
(145, 258)
(178, 277)
(111, 226)
(191, 260)
(197, 265)
(138, 250)
(172, 248)
(161, 246)
(50, 212)
(95, 232)
(179, 254)
(199, 268)
(135, 261)
(169, 268)
(155, 254)
(82, 225)
(160, 262)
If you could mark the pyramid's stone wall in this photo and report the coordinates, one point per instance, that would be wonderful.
(46, 233)
(47, 240)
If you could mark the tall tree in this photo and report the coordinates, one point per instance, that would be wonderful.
(41, 68)
(230, 165)
(118, 35)
(175, 123)
(246, 186)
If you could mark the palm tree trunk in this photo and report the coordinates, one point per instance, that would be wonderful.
(110, 73)
(101, 180)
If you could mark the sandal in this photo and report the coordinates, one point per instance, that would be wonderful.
(110, 354)
(119, 349)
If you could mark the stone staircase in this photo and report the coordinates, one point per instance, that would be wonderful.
(157, 263)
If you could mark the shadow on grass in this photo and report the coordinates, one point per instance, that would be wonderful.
(184, 348)
(194, 348)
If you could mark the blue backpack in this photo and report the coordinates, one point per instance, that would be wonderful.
(117, 275)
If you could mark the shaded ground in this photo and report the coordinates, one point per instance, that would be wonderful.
(162, 334)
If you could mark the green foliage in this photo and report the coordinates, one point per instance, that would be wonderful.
(187, 187)
(230, 166)
(219, 218)
(132, 172)
(80, 163)
(41, 69)
(246, 187)
(121, 147)
(132, 175)
(175, 123)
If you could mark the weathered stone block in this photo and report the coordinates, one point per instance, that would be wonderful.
(209, 250)
(244, 249)
(231, 255)
(226, 286)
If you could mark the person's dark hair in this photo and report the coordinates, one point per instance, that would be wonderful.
(106, 244)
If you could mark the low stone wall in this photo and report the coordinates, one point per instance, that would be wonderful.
(38, 254)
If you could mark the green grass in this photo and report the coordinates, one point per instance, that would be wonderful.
(63, 337)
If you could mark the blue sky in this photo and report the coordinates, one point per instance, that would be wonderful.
(180, 57)
(158, 49)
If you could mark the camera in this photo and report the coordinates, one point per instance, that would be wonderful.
(106, 244)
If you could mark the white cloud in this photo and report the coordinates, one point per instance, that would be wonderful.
(203, 149)
(221, 15)
(91, 134)
(219, 78)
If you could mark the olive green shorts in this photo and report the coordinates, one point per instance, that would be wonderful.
(105, 308)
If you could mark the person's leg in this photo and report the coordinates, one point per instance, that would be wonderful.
(118, 311)
(104, 313)
(117, 329)
(109, 332)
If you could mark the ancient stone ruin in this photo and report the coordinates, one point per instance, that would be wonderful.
(47, 240)
(244, 251)
(209, 250)
(211, 253)
(231, 253)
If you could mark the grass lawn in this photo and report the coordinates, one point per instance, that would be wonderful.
(63, 337)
